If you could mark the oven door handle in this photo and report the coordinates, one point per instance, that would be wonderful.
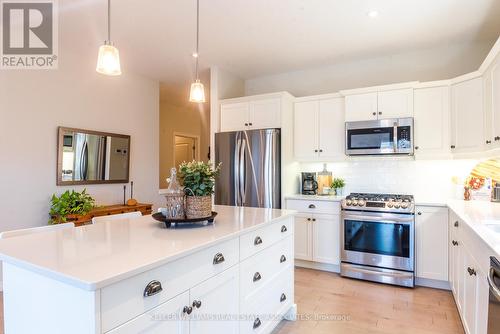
(495, 291)
(380, 219)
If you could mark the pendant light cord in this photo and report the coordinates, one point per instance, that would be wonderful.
(109, 21)
(197, 35)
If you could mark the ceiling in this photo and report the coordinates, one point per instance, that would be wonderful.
(259, 37)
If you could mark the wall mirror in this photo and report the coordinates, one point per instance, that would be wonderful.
(92, 157)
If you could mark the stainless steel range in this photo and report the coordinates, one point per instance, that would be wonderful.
(378, 238)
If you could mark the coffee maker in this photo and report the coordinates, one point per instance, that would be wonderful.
(308, 184)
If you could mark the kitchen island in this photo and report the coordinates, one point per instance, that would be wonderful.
(131, 276)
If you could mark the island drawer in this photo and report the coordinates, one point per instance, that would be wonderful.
(306, 206)
(264, 237)
(261, 269)
(124, 300)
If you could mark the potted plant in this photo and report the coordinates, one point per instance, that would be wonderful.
(338, 184)
(70, 206)
(198, 179)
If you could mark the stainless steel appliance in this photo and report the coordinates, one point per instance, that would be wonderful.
(494, 305)
(495, 193)
(383, 136)
(251, 168)
(308, 184)
(378, 238)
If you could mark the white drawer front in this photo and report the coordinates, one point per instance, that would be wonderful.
(264, 237)
(305, 206)
(261, 269)
(125, 300)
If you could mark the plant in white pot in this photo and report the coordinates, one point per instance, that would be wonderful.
(198, 179)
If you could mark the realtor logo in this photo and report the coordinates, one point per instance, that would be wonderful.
(29, 34)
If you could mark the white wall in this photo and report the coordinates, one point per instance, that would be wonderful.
(439, 63)
(427, 180)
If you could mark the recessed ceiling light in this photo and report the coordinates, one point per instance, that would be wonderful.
(372, 13)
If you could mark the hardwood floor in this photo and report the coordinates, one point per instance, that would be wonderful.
(361, 307)
(365, 307)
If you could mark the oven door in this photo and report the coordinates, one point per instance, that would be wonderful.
(378, 239)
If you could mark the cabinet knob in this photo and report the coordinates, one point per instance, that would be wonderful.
(219, 258)
(374, 113)
(152, 288)
(256, 323)
(497, 138)
(282, 298)
(380, 113)
(250, 124)
(455, 224)
(419, 213)
(471, 271)
(246, 124)
(283, 258)
(488, 142)
(257, 277)
(455, 243)
(452, 146)
(308, 219)
(312, 206)
(315, 151)
(197, 303)
(416, 147)
(320, 151)
(314, 219)
(187, 309)
(257, 241)
(283, 229)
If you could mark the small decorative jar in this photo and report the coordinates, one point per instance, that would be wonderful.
(174, 198)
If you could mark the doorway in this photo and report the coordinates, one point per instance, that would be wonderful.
(185, 148)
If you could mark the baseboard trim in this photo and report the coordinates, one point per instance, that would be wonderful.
(432, 283)
(333, 268)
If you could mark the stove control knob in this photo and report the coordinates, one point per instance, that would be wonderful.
(389, 205)
(404, 205)
(361, 203)
(397, 205)
(354, 202)
(348, 202)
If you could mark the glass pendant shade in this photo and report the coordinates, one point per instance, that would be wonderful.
(197, 93)
(108, 60)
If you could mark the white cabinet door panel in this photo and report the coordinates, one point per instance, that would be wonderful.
(361, 107)
(234, 116)
(306, 129)
(326, 239)
(331, 128)
(265, 114)
(303, 238)
(495, 100)
(395, 103)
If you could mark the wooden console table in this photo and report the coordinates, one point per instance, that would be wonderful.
(145, 209)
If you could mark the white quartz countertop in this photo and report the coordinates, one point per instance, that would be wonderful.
(331, 198)
(93, 256)
(478, 214)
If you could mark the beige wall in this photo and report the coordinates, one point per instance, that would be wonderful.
(181, 117)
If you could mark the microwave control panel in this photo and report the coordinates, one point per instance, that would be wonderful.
(404, 137)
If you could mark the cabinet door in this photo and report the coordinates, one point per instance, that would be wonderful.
(431, 237)
(495, 100)
(306, 130)
(331, 129)
(303, 238)
(453, 254)
(326, 240)
(482, 301)
(234, 116)
(467, 116)
(265, 114)
(470, 293)
(166, 318)
(395, 103)
(432, 121)
(217, 297)
(361, 107)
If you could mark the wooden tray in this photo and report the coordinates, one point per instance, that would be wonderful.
(175, 222)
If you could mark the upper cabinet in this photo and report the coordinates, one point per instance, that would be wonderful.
(491, 84)
(319, 129)
(467, 122)
(380, 105)
(248, 115)
(432, 121)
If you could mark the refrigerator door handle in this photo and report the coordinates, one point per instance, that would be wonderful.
(237, 162)
(241, 174)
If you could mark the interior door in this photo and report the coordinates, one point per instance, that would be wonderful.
(332, 128)
(305, 136)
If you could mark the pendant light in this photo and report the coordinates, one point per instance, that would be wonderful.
(108, 59)
(197, 93)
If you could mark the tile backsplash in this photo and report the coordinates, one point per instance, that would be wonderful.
(427, 180)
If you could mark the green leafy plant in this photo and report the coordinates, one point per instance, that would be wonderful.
(338, 183)
(70, 203)
(198, 177)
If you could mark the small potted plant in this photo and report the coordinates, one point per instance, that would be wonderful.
(198, 179)
(70, 206)
(338, 184)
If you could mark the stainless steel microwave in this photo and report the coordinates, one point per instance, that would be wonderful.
(377, 137)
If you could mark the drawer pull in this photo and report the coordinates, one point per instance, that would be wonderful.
(471, 271)
(282, 298)
(152, 288)
(455, 243)
(283, 258)
(312, 206)
(283, 229)
(257, 277)
(197, 303)
(187, 309)
(456, 224)
(219, 258)
(257, 323)
(257, 241)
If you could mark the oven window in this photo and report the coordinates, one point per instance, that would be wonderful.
(377, 238)
(376, 138)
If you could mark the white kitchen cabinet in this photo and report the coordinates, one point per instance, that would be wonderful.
(432, 121)
(325, 229)
(379, 105)
(492, 102)
(467, 116)
(431, 237)
(319, 129)
(248, 115)
(303, 238)
(209, 296)
(361, 107)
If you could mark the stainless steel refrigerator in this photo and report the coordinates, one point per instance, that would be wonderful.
(251, 168)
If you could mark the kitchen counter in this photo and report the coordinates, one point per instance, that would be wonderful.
(331, 198)
(94, 256)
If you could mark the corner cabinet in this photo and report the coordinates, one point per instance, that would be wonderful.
(248, 115)
(319, 130)
(379, 105)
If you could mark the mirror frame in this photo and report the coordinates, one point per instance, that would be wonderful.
(60, 142)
